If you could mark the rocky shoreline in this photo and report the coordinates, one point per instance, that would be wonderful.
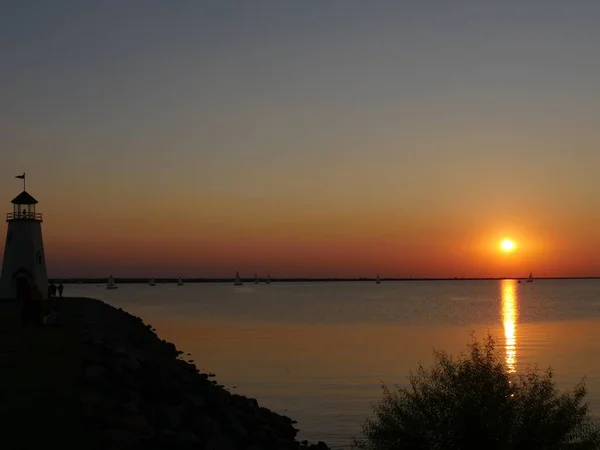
(138, 393)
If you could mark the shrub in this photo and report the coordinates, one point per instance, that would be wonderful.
(473, 402)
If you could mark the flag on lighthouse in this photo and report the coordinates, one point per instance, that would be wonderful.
(22, 177)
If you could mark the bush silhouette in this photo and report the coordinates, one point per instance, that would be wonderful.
(473, 402)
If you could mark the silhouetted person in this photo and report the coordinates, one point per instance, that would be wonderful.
(52, 290)
(60, 290)
(24, 213)
(52, 298)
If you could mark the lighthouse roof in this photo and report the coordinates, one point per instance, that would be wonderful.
(24, 198)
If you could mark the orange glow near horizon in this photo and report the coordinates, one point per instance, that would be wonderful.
(509, 307)
(312, 245)
(212, 239)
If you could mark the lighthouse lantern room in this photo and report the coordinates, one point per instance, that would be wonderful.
(24, 208)
(24, 263)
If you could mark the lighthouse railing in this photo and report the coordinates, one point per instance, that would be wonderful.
(24, 216)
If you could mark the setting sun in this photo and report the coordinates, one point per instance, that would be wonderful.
(507, 245)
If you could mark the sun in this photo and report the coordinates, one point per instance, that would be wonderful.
(507, 245)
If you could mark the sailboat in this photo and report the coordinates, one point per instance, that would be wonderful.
(152, 283)
(530, 278)
(237, 281)
(378, 281)
(111, 283)
(255, 279)
(268, 279)
(180, 282)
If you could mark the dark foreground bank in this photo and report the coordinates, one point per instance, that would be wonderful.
(104, 379)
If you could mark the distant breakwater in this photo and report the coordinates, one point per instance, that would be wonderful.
(250, 280)
(137, 393)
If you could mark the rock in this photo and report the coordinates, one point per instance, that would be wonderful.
(134, 423)
(286, 444)
(129, 363)
(238, 431)
(207, 427)
(93, 404)
(120, 439)
(96, 374)
(130, 408)
(171, 416)
(188, 438)
(213, 437)
(196, 402)
(219, 444)
(165, 433)
(138, 383)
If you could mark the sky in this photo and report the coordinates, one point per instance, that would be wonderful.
(305, 138)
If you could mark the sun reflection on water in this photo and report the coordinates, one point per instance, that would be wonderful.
(509, 321)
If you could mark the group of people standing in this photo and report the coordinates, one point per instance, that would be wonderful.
(37, 311)
(53, 289)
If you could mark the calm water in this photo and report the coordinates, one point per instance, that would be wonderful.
(319, 351)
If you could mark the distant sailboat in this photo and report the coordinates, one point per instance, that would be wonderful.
(378, 281)
(179, 282)
(237, 281)
(152, 283)
(111, 283)
(268, 279)
(530, 278)
(255, 279)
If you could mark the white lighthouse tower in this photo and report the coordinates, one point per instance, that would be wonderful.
(24, 262)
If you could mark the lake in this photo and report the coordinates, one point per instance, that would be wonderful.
(319, 352)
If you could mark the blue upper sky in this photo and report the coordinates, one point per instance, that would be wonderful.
(110, 69)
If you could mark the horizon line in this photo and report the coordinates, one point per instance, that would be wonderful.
(311, 279)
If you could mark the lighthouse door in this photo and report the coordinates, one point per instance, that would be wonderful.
(22, 279)
(22, 288)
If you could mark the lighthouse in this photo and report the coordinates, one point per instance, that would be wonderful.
(24, 261)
